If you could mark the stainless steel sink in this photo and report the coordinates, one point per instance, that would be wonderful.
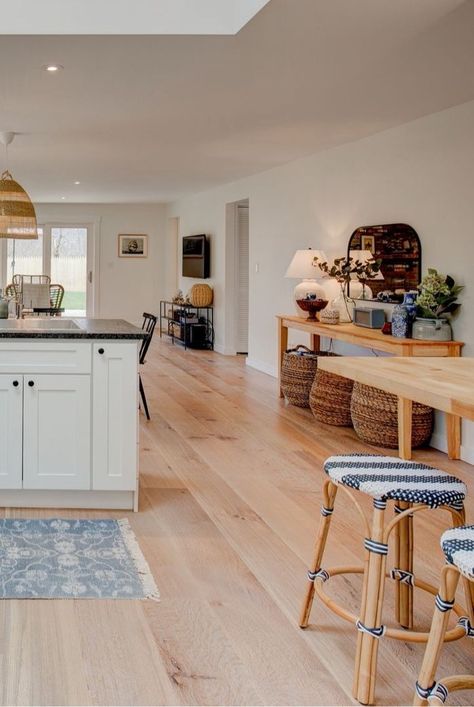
(43, 324)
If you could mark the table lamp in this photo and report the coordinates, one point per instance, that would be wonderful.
(303, 267)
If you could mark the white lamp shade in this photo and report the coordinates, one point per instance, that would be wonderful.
(303, 267)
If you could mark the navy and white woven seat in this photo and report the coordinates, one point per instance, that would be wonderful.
(390, 478)
(458, 547)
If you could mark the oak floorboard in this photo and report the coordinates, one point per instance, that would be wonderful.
(230, 495)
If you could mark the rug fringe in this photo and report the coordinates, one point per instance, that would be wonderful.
(141, 565)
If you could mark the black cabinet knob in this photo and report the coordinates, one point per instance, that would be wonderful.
(15, 384)
(31, 383)
(101, 351)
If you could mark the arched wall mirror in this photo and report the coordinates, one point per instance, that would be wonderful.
(398, 246)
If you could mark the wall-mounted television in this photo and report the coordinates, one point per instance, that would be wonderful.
(196, 256)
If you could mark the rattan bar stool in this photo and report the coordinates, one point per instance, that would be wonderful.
(414, 487)
(458, 547)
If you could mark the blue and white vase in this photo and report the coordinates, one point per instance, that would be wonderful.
(401, 321)
(409, 300)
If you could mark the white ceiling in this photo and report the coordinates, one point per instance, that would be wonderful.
(126, 17)
(152, 118)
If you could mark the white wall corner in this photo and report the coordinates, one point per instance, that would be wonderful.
(262, 366)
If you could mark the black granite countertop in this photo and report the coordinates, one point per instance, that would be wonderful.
(63, 328)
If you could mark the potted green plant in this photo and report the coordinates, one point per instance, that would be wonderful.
(343, 270)
(435, 304)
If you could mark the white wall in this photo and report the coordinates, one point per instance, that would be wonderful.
(127, 287)
(421, 173)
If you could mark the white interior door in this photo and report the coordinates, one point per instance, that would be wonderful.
(242, 279)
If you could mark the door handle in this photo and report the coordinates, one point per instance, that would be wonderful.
(101, 351)
(15, 384)
(31, 383)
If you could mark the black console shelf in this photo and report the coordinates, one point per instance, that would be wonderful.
(192, 327)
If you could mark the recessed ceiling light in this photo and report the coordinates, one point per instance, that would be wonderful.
(52, 68)
(77, 182)
(63, 198)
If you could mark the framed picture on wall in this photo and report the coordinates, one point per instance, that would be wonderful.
(132, 245)
(368, 243)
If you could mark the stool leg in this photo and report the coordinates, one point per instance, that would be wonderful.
(329, 496)
(371, 614)
(469, 593)
(447, 591)
(467, 585)
(404, 561)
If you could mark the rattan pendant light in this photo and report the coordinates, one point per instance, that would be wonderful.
(17, 213)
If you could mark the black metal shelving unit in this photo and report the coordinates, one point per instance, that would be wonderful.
(192, 327)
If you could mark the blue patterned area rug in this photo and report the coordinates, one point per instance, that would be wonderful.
(72, 559)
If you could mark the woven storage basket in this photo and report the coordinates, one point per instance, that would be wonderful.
(330, 398)
(201, 295)
(375, 418)
(297, 374)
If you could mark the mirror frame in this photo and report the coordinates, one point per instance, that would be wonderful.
(390, 229)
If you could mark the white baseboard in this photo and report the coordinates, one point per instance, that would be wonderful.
(261, 366)
(439, 441)
(40, 498)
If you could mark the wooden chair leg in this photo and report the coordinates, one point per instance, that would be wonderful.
(329, 497)
(404, 562)
(370, 629)
(447, 591)
(143, 397)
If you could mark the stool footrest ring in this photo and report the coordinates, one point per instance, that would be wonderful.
(390, 632)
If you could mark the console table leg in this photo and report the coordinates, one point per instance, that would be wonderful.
(282, 346)
(453, 429)
(404, 428)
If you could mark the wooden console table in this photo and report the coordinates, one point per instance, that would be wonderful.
(360, 336)
(376, 341)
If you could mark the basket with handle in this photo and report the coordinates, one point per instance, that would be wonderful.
(297, 374)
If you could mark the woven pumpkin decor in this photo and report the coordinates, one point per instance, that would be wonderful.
(375, 418)
(200, 295)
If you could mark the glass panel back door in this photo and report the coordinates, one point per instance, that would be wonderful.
(69, 267)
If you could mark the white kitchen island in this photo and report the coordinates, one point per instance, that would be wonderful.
(69, 413)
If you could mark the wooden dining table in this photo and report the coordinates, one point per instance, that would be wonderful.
(445, 384)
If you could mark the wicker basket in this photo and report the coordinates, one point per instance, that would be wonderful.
(375, 418)
(201, 295)
(330, 398)
(297, 374)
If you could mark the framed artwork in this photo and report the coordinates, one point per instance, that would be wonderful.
(368, 243)
(132, 245)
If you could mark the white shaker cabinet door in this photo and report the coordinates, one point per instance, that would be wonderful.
(57, 433)
(114, 416)
(11, 432)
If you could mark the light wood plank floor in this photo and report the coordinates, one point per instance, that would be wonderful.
(230, 495)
